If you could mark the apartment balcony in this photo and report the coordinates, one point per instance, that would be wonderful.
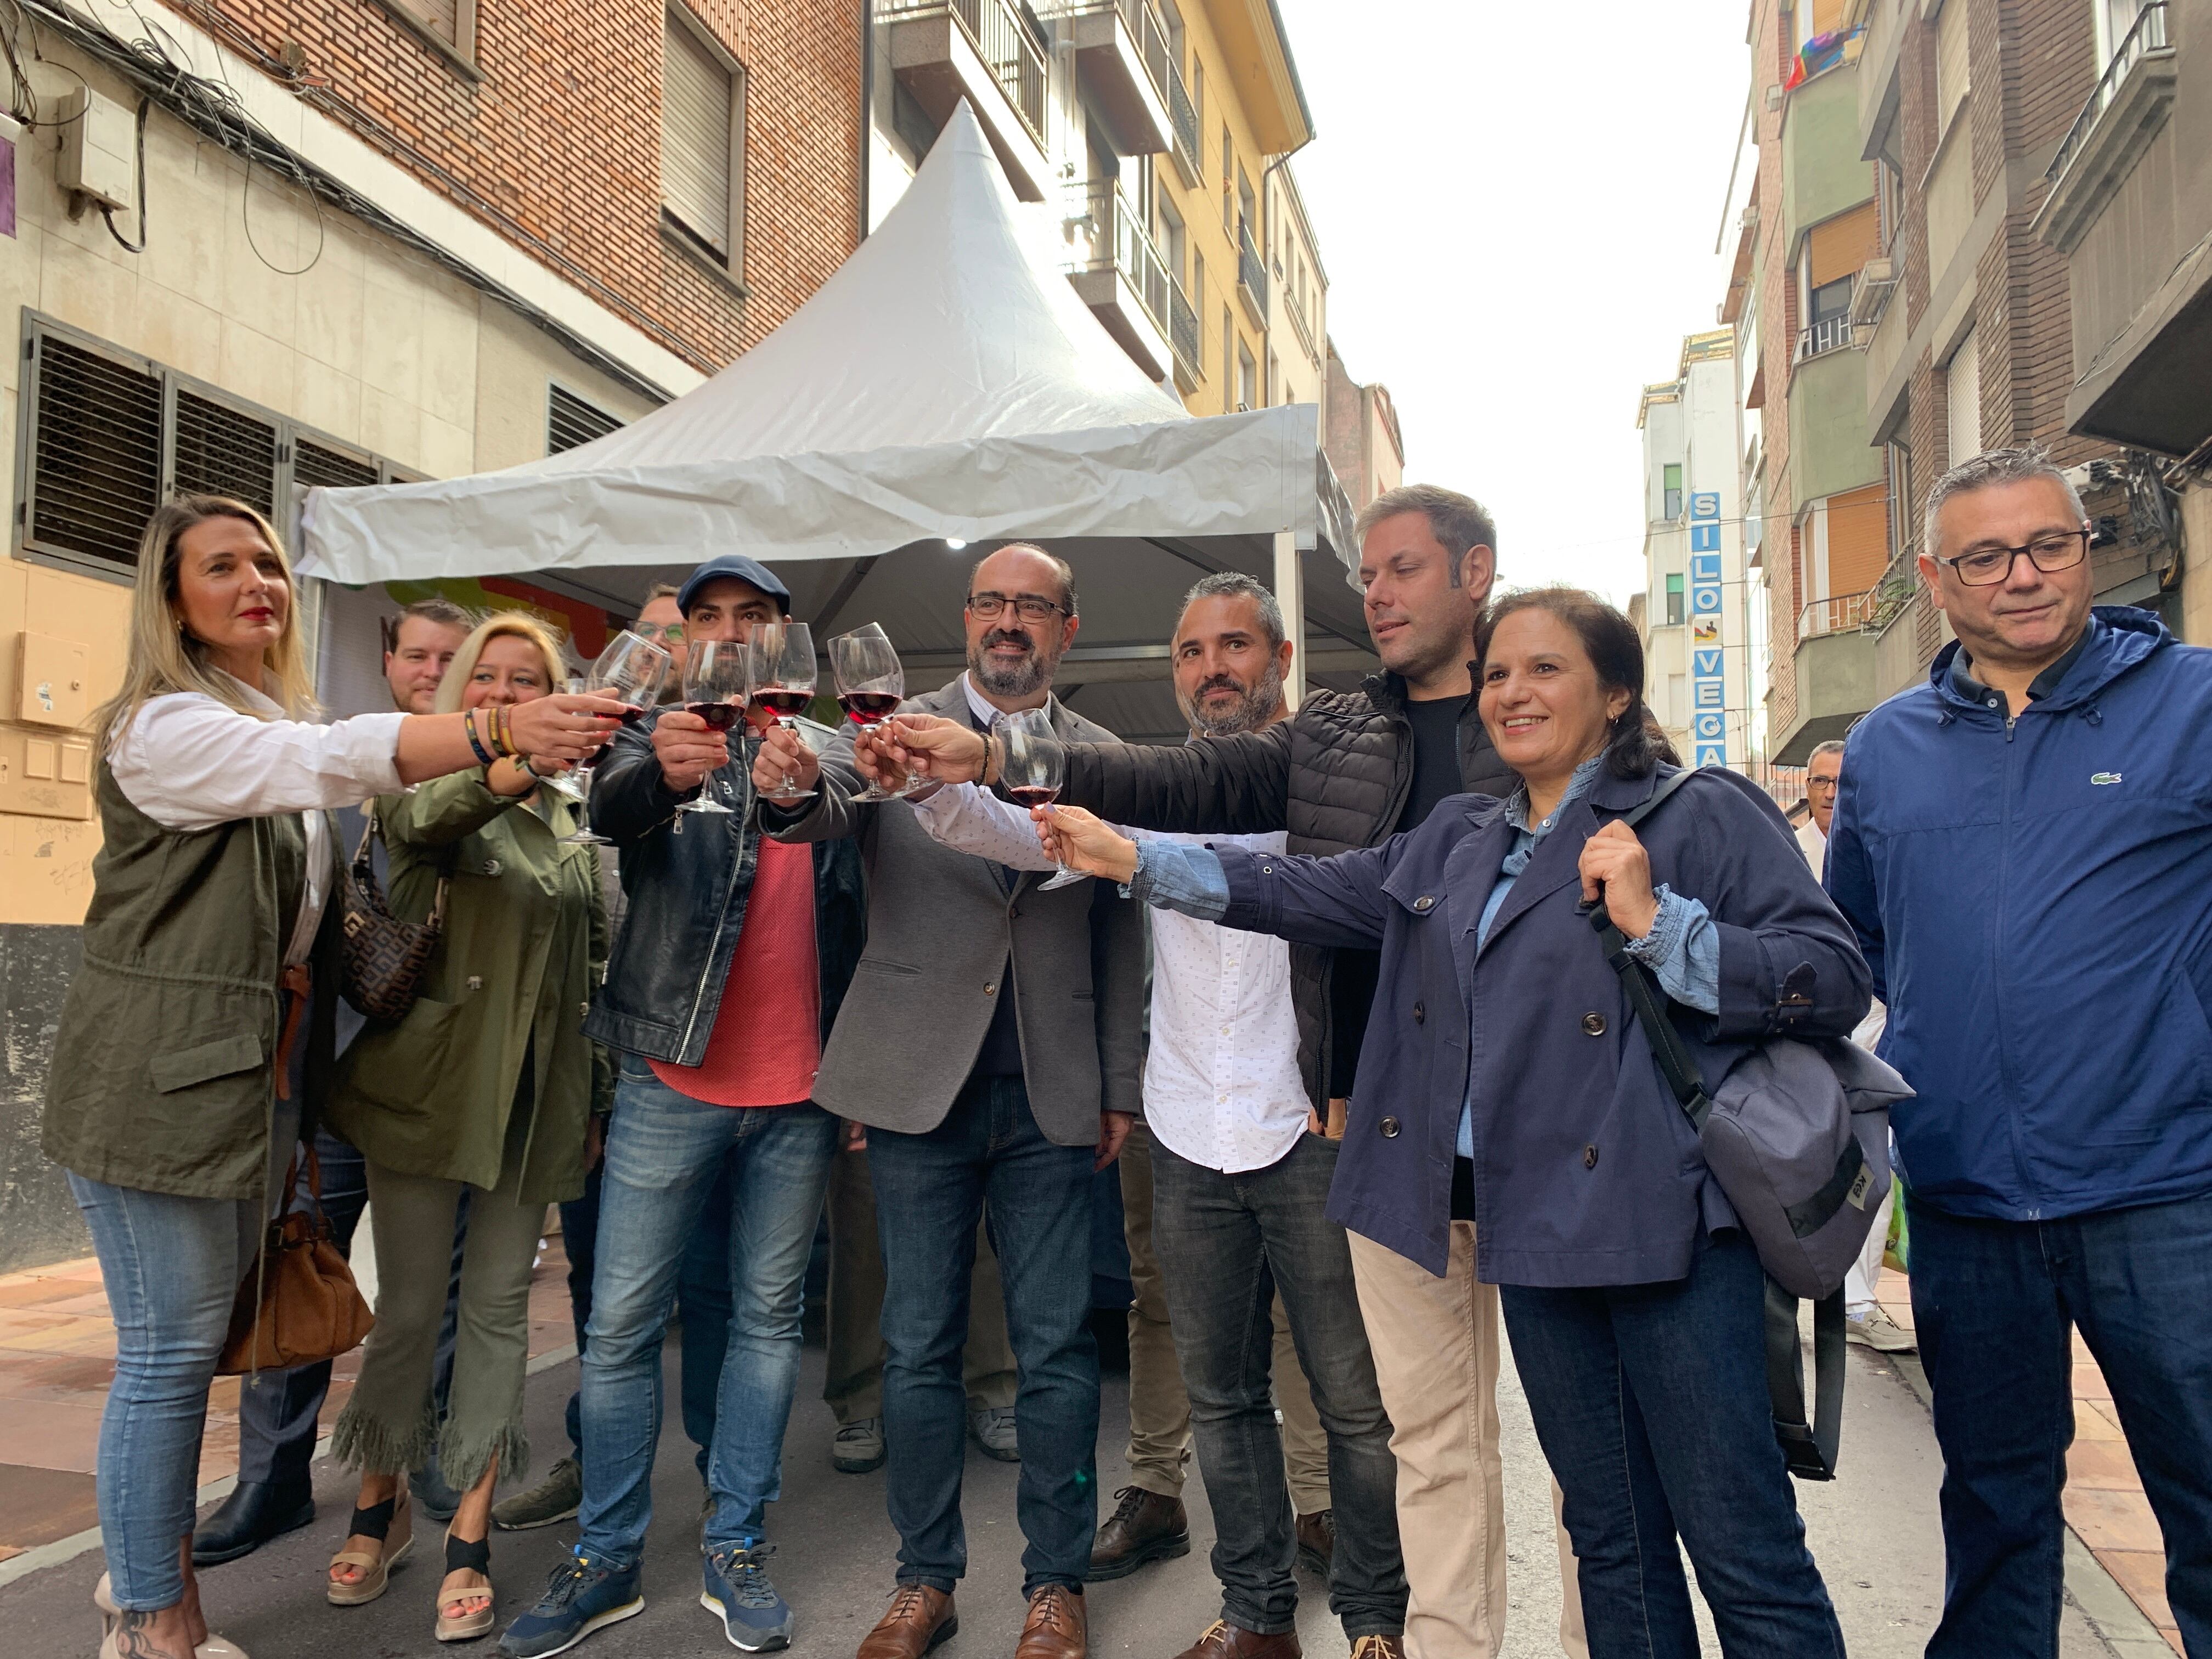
(2123, 115)
(1183, 338)
(943, 51)
(1829, 334)
(1119, 274)
(1834, 678)
(1251, 277)
(1182, 116)
(1827, 413)
(1121, 53)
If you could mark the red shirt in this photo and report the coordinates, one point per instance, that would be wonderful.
(766, 1045)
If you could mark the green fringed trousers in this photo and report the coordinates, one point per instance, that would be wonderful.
(390, 1425)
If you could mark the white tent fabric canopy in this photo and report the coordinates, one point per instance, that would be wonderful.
(943, 383)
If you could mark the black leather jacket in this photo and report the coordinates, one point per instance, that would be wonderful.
(687, 897)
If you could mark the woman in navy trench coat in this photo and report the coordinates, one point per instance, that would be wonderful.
(1506, 1090)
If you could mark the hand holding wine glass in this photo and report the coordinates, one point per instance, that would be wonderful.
(781, 659)
(1034, 769)
(1077, 840)
(715, 678)
(629, 672)
(784, 761)
(944, 751)
(871, 685)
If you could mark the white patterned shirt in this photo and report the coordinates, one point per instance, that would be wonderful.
(1222, 1084)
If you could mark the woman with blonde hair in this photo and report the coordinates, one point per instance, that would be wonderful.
(484, 1087)
(174, 1099)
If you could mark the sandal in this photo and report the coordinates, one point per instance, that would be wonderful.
(378, 1522)
(467, 1555)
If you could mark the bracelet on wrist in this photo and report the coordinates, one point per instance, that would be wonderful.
(502, 731)
(469, 726)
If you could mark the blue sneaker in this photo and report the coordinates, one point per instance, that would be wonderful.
(581, 1596)
(754, 1617)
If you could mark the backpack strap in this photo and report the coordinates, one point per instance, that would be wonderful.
(1809, 1440)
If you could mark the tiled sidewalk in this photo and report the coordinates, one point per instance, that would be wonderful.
(58, 1357)
(2105, 1502)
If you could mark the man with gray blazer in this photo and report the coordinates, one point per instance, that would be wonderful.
(991, 1042)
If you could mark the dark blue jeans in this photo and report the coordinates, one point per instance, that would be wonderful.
(702, 1303)
(1994, 1303)
(1226, 1243)
(1651, 1402)
(931, 1190)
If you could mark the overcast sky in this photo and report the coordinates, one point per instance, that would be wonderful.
(1517, 205)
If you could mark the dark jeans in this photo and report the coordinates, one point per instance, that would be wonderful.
(702, 1303)
(1226, 1243)
(278, 1411)
(1650, 1402)
(931, 1190)
(1994, 1303)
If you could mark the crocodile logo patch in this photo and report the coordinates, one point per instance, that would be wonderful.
(2103, 777)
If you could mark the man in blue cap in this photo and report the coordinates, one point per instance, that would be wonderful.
(731, 964)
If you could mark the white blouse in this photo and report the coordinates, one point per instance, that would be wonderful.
(190, 763)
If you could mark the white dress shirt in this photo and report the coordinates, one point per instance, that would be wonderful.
(1222, 1085)
(190, 763)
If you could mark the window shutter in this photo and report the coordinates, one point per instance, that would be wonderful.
(570, 421)
(696, 105)
(314, 466)
(1951, 79)
(221, 452)
(96, 459)
(1962, 387)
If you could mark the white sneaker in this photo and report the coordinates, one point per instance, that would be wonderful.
(1875, 1329)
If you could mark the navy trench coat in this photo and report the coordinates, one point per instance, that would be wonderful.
(1586, 1172)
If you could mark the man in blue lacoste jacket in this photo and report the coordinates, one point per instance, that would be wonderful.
(2024, 846)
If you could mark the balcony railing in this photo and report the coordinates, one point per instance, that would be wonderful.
(1118, 235)
(1829, 334)
(1150, 31)
(1182, 330)
(1003, 40)
(1846, 613)
(1251, 270)
(1183, 115)
(2148, 35)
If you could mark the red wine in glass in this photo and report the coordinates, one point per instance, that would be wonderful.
(867, 708)
(630, 717)
(719, 716)
(782, 703)
(1034, 794)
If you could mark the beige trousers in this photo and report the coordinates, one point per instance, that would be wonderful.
(853, 1381)
(1159, 1410)
(1435, 1342)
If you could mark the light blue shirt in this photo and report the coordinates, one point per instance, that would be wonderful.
(1682, 950)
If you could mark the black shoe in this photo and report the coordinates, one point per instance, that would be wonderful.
(256, 1512)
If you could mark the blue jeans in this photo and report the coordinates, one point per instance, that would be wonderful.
(664, 1152)
(172, 1268)
(1650, 1402)
(1994, 1303)
(702, 1303)
(931, 1190)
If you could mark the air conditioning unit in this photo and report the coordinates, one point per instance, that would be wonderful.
(99, 156)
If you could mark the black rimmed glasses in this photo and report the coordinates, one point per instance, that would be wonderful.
(2053, 552)
(987, 607)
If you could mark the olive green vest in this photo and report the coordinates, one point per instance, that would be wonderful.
(162, 1076)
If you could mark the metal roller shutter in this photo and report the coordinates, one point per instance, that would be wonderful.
(695, 104)
(96, 454)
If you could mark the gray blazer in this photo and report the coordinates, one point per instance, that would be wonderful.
(945, 937)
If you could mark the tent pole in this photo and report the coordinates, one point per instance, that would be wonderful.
(1291, 594)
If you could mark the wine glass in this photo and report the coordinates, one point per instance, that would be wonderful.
(714, 690)
(780, 657)
(1034, 770)
(630, 670)
(575, 783)
(871, 685)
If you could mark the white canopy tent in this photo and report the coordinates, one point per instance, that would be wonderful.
(946, 383)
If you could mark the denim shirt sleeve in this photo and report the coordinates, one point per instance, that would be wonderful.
(1683, 951)
(1173, 875)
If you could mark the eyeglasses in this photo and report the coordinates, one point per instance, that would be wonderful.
(1830, 784)
(671, 632)
(1985, 567)
(987, 606)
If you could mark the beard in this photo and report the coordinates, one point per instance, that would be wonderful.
(1254, 706)
(1020, 679)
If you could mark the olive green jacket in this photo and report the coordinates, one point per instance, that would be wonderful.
(525, 945)
(162, 1077)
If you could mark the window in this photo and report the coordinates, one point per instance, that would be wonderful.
(1228, 362)
(1829, 301)
(1197, 279)
(1951, 66)
(1175, 241)
(1962, 391)
(450, 26)
(1228, 171)
(571, 422)
(110, 436)
(1674, 599)
(1670, 476)
(1248, 379)
(702, 105)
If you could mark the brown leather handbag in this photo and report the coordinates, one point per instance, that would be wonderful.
(299, 1303)
(383, 957)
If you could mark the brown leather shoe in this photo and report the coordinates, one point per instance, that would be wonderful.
(1379, 1646)
(1317, 1541)
(1223, 1640)
(918, 1620)
(1145, 1527)
(1057, 1627)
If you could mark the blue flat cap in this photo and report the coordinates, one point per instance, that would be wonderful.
(740, 566)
